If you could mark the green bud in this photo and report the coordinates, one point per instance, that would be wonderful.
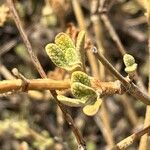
(130, 64)
(131, 69)
(128, 60)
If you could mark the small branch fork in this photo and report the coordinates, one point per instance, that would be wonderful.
(25, 81)
(129, 86)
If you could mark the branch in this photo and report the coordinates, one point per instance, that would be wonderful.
(39, 68)
(25, 38)
(132, 138)
(144, 140)
(105, 88)
(129, 86)
(115, 37)
(94, 66)
(113, 33)
(82, 25)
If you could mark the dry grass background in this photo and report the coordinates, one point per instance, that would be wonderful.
(34, 121)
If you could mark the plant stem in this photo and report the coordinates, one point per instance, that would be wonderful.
(132, 138)
(39, 68)
(82, 25)
(35, 84)
(113, 33)
(109, 67)
(103, 113)
(78, 13)
(25, 38)
(106, 88)
(98, 27)
(5, 72)
(130, 112)
(144, 143)
(129, 86)
(117, 40)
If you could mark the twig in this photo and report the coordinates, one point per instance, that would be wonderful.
(92, 61)
(5, 72)
(129, 110)
(129, 86)
(126, 103)
(132, 138)
(102, 11)
(79, 14)
(35, 95)
(109, 67)
(39, 68)
(25, 38)
(101, 125)
(82, 25)
(144, 140)
(113, 33)
(115, 37)
(103, 113)
(97, 26)
(135, 21)
(7, 46)
(106, 88)
(105, 117)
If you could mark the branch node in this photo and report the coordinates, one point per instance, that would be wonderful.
(25, 81)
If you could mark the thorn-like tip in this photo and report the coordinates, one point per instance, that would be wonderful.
(94, 49)
(15, 71)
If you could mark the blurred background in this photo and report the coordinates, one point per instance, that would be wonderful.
(33, 121)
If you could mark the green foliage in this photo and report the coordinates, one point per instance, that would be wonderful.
(81, 77)
(72, 102)
(85, 95)
(80, 46)
(80, 90)
(92, 109)
(63, 53)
